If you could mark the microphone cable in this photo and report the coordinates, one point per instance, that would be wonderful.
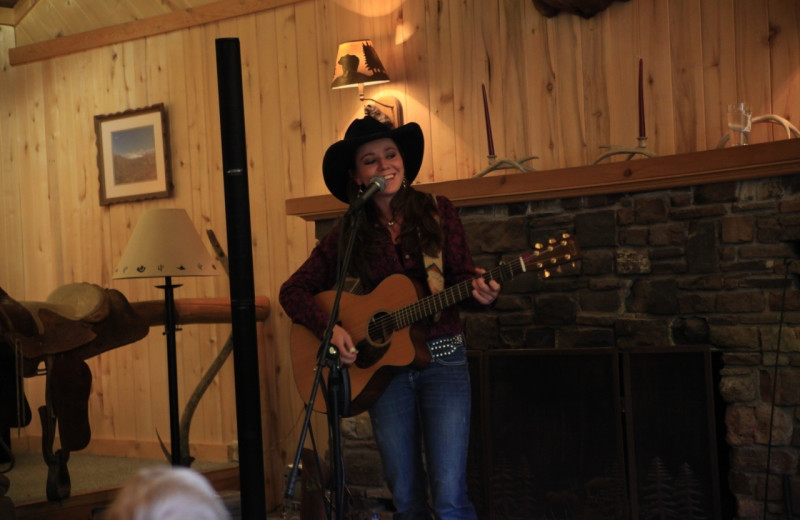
(774, 391)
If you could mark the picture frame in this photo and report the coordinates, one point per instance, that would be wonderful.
(133, 155)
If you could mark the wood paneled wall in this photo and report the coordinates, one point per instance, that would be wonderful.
(558, 88)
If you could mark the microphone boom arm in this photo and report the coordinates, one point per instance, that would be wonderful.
(375, 185)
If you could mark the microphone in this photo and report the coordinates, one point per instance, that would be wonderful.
(376, 184)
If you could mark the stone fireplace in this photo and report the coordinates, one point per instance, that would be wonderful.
(672, 349)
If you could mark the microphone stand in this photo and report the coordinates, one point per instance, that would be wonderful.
(337, 398)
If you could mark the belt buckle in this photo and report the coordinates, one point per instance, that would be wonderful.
(445, 346)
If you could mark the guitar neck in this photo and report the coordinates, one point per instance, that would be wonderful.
(430, 305)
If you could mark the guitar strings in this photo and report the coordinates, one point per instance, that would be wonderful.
(406, 316)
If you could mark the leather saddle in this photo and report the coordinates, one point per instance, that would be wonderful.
(75, 322)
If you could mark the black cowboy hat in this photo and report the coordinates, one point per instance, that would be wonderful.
(339, 159)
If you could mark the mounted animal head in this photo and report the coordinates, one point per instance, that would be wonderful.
(584, 8)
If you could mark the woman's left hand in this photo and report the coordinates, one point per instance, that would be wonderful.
(485, 293)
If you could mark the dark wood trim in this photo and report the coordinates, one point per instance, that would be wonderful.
(136, 29)
(690, 169)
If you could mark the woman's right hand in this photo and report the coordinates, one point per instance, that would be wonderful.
(344, 344)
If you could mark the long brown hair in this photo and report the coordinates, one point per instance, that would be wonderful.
(421, 232)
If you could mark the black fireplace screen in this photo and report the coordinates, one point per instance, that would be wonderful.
(582, 433)
(671, 430)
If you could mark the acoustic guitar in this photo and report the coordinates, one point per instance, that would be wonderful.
(386, 329)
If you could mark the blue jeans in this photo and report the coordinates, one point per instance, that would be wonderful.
(429, 408)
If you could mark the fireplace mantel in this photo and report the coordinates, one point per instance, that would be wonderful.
(712, 166)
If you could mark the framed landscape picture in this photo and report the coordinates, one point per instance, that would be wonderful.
(133, 155)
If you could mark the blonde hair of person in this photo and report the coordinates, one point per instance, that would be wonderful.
(167, 493)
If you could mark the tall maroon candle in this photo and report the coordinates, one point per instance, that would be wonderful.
(641, 100)
(488, 122)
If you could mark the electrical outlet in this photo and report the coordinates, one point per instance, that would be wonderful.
(233, 451)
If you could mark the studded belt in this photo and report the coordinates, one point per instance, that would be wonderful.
(445, 345)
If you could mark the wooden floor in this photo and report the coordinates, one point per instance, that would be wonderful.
(89, 506)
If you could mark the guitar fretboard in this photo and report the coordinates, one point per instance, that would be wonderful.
(454, 294)
(556, 253)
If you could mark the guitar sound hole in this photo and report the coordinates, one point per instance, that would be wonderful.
(379, 333)
(380, 328)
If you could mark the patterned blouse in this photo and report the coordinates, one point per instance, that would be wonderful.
(318, 273)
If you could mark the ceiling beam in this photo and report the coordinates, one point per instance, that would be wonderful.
(136, 29)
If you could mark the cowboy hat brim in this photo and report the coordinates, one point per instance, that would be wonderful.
(339, 158)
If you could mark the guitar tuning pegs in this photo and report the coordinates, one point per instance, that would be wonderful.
(538, 245)
(574, 265)
(551, 241)
(565, 235)
(546, 273)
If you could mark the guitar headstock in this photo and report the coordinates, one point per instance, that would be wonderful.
(554, 254)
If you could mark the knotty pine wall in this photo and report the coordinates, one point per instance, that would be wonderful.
(558, 88)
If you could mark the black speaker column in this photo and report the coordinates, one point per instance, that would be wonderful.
(240, 263)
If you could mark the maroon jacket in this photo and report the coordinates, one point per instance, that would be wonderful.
(318, 273)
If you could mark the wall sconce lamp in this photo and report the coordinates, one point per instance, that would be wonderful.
(358, 64)
(166, 244)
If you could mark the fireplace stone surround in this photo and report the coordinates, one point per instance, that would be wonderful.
(712, 266)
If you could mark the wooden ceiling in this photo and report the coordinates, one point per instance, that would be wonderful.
(38, 21)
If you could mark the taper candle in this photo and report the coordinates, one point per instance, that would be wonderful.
(488, 121)
(641, 99)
